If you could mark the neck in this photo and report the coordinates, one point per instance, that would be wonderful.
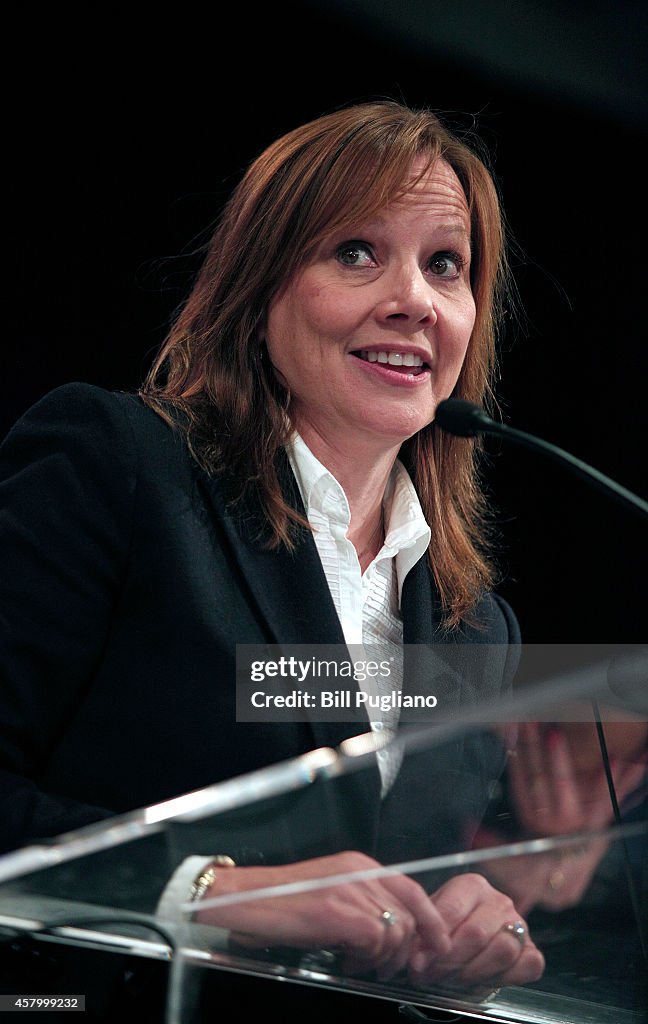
(373, 545)
(363, 476)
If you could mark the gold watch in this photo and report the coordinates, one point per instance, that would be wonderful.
(205, 879)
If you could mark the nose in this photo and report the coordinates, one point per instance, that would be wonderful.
(408, 299)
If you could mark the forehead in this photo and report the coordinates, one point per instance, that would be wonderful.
(431, 195)
(434, 189)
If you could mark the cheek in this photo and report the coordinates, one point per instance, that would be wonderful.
(292, 348)
(460, 331)
(469, 317)
(282, 334)
(303, 338)
(294, 318)
(323, 315)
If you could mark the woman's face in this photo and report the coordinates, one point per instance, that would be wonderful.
(372, 334)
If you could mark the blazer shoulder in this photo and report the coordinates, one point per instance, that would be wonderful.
(86, 417)
(493, 622)
(507, 617)
(79, 402)
(97, 448)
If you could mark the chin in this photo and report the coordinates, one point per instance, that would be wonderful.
(397, 433)
(405, 426)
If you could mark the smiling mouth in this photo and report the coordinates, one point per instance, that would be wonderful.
(402, 362)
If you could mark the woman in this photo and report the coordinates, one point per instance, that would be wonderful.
(279, 479)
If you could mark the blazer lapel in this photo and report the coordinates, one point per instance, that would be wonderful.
(288, 589)
(430, 656)
(420, 606)
(462, 667)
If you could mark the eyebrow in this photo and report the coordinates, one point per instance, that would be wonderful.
(454, 227)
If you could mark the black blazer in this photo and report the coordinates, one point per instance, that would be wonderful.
(126, 584)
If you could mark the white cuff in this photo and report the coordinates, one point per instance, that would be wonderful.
(176, 892)
(177, 889)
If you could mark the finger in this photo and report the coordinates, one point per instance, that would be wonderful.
(376, 947)
(398, 930)
(345, 916)
(526, 770)
(369, 945)
(567, 804)
(529, 967)
(474, 911)
(383, 926)
(429, 924)
(503, 961)
(481, 939)
(531, 754)
(497, 956)
(389, 968)
(456, 899)
(413, 919)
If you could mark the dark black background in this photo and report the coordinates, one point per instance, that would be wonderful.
(126, 136)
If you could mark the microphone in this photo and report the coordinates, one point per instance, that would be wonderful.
(465, 419)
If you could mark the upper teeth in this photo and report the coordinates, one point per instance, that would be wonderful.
(393, 358)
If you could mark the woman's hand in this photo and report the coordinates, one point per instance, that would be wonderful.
(484, 953)
(553, 881)
(555, 790)
(558, 786)
(348, 917)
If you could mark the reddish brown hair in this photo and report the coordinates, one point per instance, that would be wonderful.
(341, 168)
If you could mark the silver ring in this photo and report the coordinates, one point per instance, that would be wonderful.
(516, 929)
(388, 918)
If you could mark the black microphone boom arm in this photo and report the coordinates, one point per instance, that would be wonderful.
(464, 419)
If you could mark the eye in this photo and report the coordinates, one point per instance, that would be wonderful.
(355, 254)
(447, 264)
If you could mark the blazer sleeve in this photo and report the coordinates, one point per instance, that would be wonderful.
(67, 488)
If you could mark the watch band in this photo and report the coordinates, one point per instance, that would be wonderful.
(205, 879)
